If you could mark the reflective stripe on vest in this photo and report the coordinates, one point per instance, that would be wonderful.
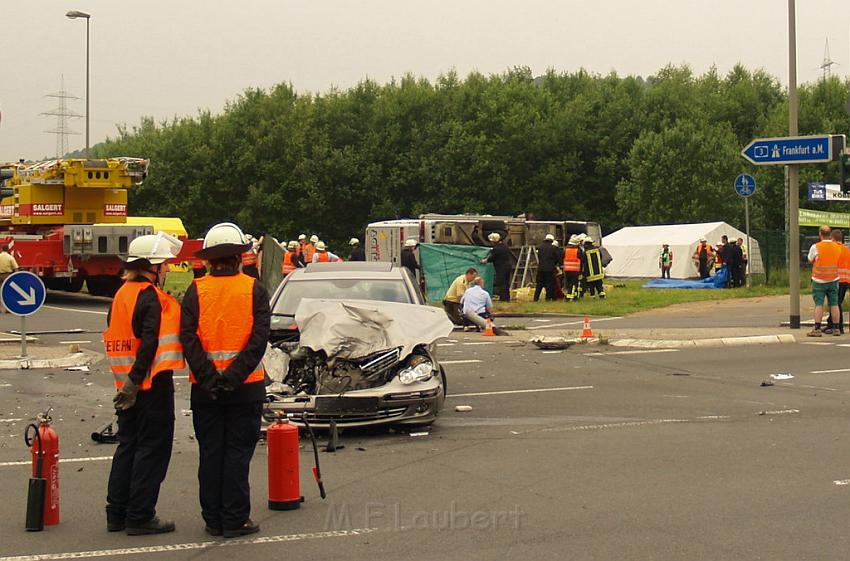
(825, 267)
(121, 344)
(572, 261)
(844, 265)
(323, 257)
(249, 258)
(226, 320)
(288, 263)
(595, 271)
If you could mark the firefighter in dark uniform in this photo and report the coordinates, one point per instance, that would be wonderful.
(500, 257)
(547, 263)
(593, 269)
(143, 349)
(408, 257)
(224, 330)
(357, 253)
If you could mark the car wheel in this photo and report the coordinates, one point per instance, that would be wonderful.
(445, 382)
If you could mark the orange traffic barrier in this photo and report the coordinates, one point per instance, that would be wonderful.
(489, 331)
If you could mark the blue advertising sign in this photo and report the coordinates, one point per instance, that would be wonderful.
(22, 293)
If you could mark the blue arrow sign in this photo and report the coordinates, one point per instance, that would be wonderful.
(22, 293)
(745, 185)
(789, 150)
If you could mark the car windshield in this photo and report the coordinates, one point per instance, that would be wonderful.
(343, 289)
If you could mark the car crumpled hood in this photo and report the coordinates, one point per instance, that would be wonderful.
(352, 329)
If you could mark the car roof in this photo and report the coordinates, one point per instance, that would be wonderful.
(348, 270)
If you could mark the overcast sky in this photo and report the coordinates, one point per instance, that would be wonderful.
(172, 57)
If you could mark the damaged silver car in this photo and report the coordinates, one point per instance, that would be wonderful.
(359, 361)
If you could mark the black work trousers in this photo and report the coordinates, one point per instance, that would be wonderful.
(145, 435)
(227, 434)
(454, 312)
(502, 284)
(571, 285)
(545, 279)
(842, 292)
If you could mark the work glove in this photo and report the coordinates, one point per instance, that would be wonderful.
(211, 385)
(126, 396)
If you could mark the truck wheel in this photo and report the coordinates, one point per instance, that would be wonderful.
(57, 283)
(96, 286)
(75, 284)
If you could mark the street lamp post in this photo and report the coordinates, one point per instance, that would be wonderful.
(74, 14)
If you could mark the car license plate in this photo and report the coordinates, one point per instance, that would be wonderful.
(347, 404)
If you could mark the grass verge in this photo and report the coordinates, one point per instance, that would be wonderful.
(627, 297)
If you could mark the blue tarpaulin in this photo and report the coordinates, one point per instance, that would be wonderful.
(717, 281)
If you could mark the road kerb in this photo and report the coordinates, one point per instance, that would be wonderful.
(705, 343)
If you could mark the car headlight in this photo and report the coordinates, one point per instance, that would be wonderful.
(420, 372)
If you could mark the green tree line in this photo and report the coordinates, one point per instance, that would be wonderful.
(616, 150)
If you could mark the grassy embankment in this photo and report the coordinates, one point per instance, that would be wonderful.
(625, 297)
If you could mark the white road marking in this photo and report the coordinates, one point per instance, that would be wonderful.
(61, 461)
(445, 344)
(189, 546)
(714, 417)
(5, 385)
(507, 392)
(614, 425)
(640, 352)
(76, 310)
(842, 482)
(542, 320)
(830, 371)
(816, 343)
(73, 342)
(10, 420)
(552, 352)
(468, 361)
(579, 322)
(843, 345)
(779, 412)
(677, 396)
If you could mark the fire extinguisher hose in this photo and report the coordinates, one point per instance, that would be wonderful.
(39, 464)
(317, 471)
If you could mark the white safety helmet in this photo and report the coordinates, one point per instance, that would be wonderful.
(314, 238)
(152, 249)
(550, 237)
(353, 241)
(555, 243)
(302, 237)
(573, 240)
(320, 246)
(224, 240)
(410, 242)
(293, 244)
(494, 237)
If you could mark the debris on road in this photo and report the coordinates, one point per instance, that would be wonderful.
(553, 343)
(782, 376)
(463, 408)
(78, 369)
(423, 433)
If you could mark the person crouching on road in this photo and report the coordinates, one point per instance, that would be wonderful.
(478, 306)
(451, 301)
(143, 348)
(224, 330)
(825, 257)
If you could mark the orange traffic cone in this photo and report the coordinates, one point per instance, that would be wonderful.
(489, 331)
(586, 333)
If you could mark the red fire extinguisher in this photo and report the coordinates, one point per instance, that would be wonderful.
(284, 476)
(43, 497)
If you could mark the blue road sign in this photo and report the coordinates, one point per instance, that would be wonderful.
(817, 192)
(789, 150)
(745, 185)
(22, 293)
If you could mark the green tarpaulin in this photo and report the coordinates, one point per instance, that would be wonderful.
(270, 274)
(441, 264)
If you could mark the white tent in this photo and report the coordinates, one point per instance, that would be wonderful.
(636, 249)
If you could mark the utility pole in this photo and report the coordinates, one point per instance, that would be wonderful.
(793, 174)
(827, 63)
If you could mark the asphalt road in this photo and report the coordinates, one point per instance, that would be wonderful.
(591, 453)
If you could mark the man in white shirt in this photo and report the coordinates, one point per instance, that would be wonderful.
(478, 306)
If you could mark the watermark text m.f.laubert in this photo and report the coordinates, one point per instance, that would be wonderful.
(394, 516)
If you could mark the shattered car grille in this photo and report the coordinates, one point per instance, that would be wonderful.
(380, 363)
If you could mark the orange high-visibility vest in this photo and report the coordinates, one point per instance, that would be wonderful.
(572, 261)
(249, 258)
(226, 320)
(121, 343)
(323, 257)
(308, 250)
(825, 267)
(288, 263)
(844, 265)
